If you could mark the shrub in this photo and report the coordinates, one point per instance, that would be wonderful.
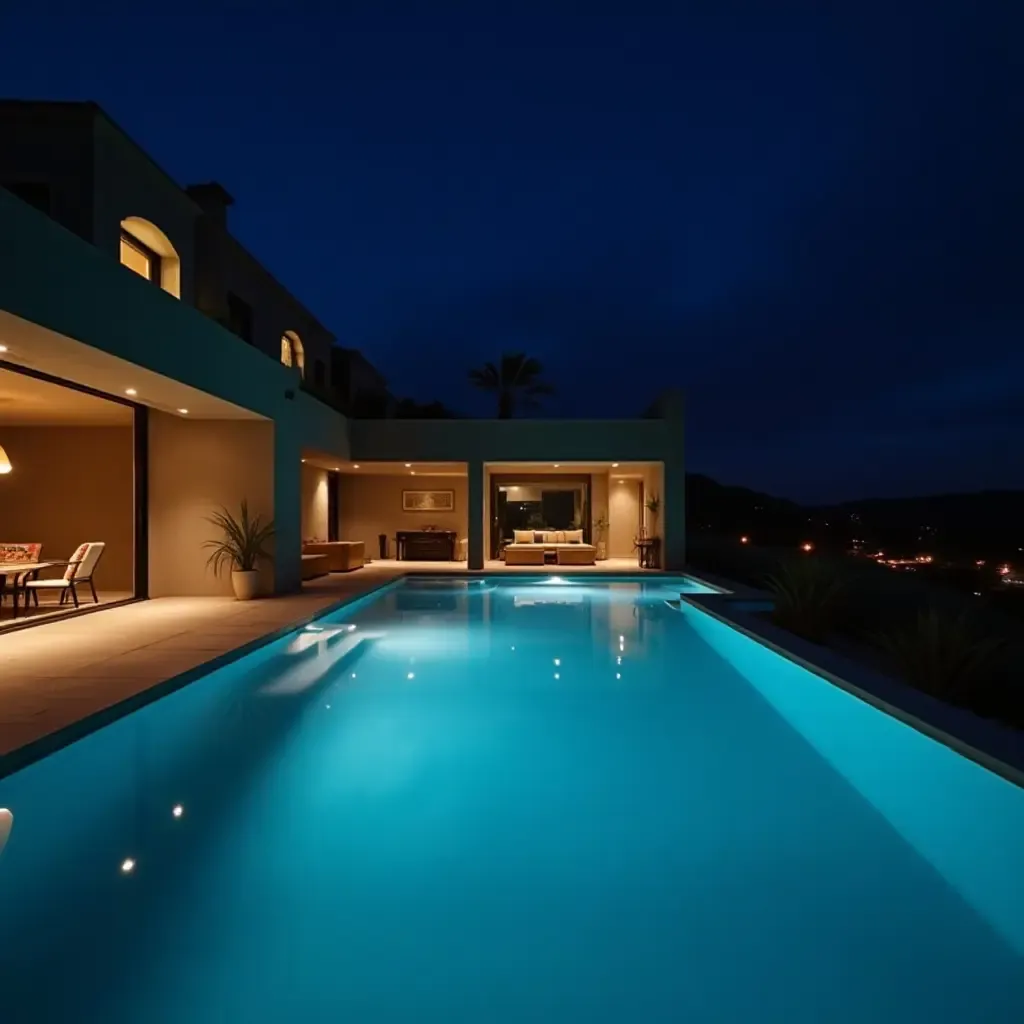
(808, 594)
(944, 654)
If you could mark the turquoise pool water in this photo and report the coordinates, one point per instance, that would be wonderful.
(511, 800)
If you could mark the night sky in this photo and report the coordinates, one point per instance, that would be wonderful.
(813, 223)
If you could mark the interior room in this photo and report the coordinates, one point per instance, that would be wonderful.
(67, 499)
(600, 505)
(410, 512)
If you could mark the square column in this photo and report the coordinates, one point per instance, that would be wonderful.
(475, 514)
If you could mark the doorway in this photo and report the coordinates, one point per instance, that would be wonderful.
(624, 516)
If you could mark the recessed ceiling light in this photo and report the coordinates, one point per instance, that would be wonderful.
(3, 348)
(557, 464)
(356, 466)
(130, 391)
(615, 465)
(408, 464)
(303, 460)
(412, 472)
(184, 412)
(335, 469)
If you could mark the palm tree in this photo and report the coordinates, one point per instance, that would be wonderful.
(517, 383)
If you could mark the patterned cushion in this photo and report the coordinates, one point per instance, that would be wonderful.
(20, 552)
(79, 554)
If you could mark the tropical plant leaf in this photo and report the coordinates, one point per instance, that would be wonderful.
(243, 541)
(943, 654)
(808, 594)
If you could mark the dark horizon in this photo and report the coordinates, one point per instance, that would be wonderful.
(811, 223)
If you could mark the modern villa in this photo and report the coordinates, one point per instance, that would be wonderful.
(151, 370)
(547, 786)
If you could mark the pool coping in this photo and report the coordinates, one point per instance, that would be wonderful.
(21, 757)
(988, 743)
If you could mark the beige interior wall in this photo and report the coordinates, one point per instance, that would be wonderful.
(69, 485)
(196, 466)
(599, 501)
(314, 503)
(370, 505)
(654, 485)
(488, 553)
(623, 515)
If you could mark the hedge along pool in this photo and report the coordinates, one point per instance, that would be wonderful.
(511, 799)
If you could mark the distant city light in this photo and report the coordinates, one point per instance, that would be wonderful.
(744, 539)
(807, 546)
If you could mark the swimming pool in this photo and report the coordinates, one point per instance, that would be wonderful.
(511, 800)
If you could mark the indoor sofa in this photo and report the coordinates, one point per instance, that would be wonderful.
(531, 547)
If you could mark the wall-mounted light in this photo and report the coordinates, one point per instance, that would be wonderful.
(5, 463)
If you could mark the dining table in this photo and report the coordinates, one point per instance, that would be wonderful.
(16, 569)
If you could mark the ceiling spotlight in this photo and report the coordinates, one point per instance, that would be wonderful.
(130, 391)
(184, 412)
(408, 465)
(412, 472)
(3, 348)
(615, 465)
(557, 464)
(356, 466)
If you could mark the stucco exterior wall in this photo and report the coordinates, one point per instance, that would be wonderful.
(70, 485)
(52, 145)
(371, 505)
(314, 503)
(128, 184)
(195, 467)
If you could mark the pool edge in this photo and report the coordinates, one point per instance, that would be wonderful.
(987, 743)
(35, 750)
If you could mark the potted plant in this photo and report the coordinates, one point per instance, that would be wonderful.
(241, 547)
(653, 506)
(600, 529)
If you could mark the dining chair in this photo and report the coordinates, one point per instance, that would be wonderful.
(79, 571)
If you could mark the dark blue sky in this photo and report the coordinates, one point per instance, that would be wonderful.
(811, 222)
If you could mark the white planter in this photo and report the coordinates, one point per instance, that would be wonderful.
(602, 551)
(244, 583)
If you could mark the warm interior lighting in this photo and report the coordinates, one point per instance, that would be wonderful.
(615, 465)
(130, 391)
(302, 460)
(135, 257)
(622, 481)
(356, 466)
(412, 472)
(557, 465)
(5, 463)
(408, 465)
(807, 546)
(744, 540)
(184, 412)
(3, 348)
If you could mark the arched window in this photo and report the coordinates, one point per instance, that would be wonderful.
(148, 251)
(292, 353)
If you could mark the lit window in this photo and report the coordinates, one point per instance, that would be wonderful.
(140, 258)
(292, 353)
